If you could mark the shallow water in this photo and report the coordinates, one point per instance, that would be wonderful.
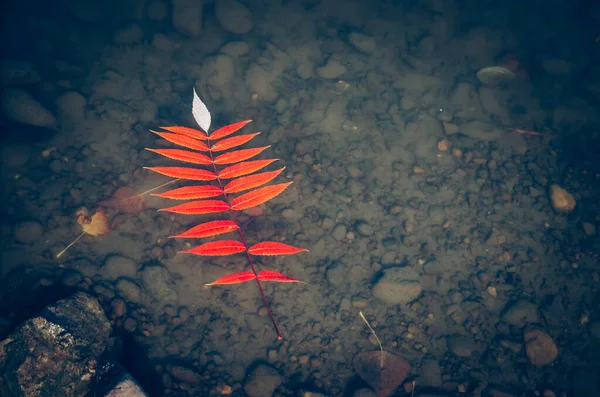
(423, 195)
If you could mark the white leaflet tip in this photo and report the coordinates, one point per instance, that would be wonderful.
(200, 113)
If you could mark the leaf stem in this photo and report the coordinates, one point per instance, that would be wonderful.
(70, 245)
(243, 240)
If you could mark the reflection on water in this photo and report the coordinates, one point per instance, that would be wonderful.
(457, 212)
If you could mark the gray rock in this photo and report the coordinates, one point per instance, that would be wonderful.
(332, 69)
(55, 353)
(233, 16)
(262, 381)
(129, 289)
(116, 266)
(362, 42)
(28, 232)
(159, 283)
(15, 156)
(520, 313)
(339, 232)
(364, 229)
(461, 346)
(399, 285)
(19, 106)
(187, 17)
(218, 70)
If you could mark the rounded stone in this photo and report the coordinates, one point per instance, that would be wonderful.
(28, 232)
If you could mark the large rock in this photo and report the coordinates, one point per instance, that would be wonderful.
(398, 285)
(55, 353)
(187, 17)
(262, 381)
(539, 346)
(19, 106)
(233, 16)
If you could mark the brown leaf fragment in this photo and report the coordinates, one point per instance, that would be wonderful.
(125, 199)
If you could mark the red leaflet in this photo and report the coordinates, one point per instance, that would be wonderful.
(199, 207)
(257, 196)
(184, 155)
(191, 132)
(251, 181)
(184, 141)
(218, 248)
(191, 192)
(265, 275)
(230, 143)
(221, 164)
(194, 174)
(208, 229)
(227, 130)
(244, 168)
(274, 248)
(270, 275)
(234, 278)
(238, 155)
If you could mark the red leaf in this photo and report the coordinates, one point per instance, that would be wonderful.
(274, 248)
(228, 130)
(191, 132)
(239, 155)
(191, 192)
(251, 181)
(265, 275)
(194, 174)
(234, 278)
(270, 275)
(244, 168)
(232, 142)
(208, 229)
(184, 155)
(184, 141)
(257, 196)
(199, 207)
(218, 248)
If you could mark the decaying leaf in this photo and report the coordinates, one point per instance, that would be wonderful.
(95, 225)
(125, 199)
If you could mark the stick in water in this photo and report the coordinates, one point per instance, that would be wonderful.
(375, 335)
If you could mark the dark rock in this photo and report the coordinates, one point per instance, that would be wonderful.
(520, 313)
(55, 353)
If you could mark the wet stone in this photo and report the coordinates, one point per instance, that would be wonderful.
(159, 283)
(399, 285)
(364, 229)
(339, 232)
(28, 232)
(71, 334)
(262, 381)
(185, 374)
(460, 345)
(129, 290)
(520, 313)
